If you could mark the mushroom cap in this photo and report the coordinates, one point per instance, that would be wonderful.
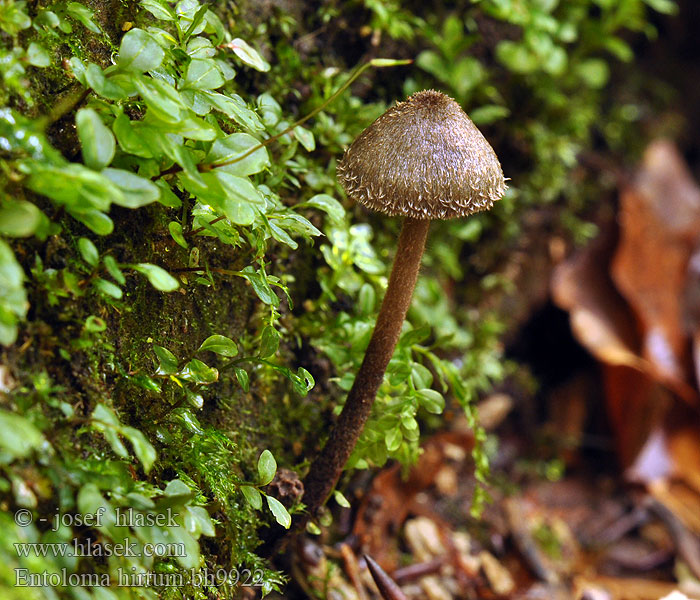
(424, 159)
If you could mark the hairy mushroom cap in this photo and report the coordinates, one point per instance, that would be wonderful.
(425, 159)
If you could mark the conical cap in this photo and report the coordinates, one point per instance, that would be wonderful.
(425, 159)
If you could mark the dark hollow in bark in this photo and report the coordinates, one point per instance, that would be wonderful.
(326, 469)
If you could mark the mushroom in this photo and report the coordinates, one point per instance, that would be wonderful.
(422, 159)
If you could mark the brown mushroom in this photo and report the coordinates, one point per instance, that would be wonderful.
(422, 159)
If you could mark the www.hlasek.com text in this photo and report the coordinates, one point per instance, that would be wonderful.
(127, 547)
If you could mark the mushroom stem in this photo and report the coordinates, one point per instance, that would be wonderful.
(326, 469)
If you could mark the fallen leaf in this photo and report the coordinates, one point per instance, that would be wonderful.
(659, 230)
(600, 318)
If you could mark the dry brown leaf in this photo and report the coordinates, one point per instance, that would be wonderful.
(352, 569)
(684, 446)
(600, 318)
(386, 506)
(639, 312)
(636, 405)
(659, 230)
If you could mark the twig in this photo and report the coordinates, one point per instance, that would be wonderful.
(387, 587)
(67, 105)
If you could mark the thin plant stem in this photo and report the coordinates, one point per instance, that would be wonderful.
(67, 104)
(328, 466)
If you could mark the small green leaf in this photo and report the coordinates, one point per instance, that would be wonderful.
(203, 74)
(234, 106)
(108, 288)
(113, 269)
(619, 48)
(485, 115)
(668, 7)
(175, 230)
(434, 63)
(198, 521)
(231, 147)
(415, 336)
(302, 380)
(298, 225)
(159, 9)
(199, 372)
(137, 191)
(312, 528)
(556, 61)
(393, 439)
(96, 140)
(270, 109)
(200, 47)
(431, 400)
(162, 98)
(13, 18)
(517, 57)
(252, 496)
(176, 487)
(94, 220)
(139, 52)
(305, 137)
(194, 128)
(37, 56)
(73, 185)
(168, 361)
(327, 204)
(107, 87)
(106, 421)
(240, 199)
(267, 467)
(281, 235)
(421, 376)
(91, 502)
(19, 218)
(280, 512)
(147, 383)
(143, 449)
(129, 138)
(269, 341)
(78, 68)
(594, 72)
(389, 62)
(340, 499)
(260, 285)
(88, 251)
(249, 55)
(167, 196)
(243, 378)
(366, 300)
(95, 324)
(198, 22)
(83, 15)
(19, 436)
(220, 344)
(105, 415)
(159, 277)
